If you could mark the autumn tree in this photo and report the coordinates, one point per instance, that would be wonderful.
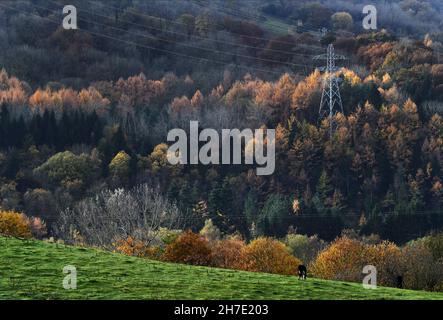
(120, 167)
(228, 253)
(14, 224)
(270, 256)
(189, 248)
(306, 97)
(68, 170)
(344, 259)
(210, 231)
(342, 21)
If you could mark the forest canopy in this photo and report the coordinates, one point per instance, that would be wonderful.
(87, 110)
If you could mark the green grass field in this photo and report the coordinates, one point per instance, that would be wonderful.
(276, 26)
(33, 270)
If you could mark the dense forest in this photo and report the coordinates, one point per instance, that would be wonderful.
(87, 110)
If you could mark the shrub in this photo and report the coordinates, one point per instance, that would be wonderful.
(387, 258)
(38, 227)
(228, 253)
(422, 271)
(14, 224)
(345, 258)
(304, 247)
(435, 244)
(189, 248)
(269, 255)
(132, 247)
(167, 236)
(40, 202)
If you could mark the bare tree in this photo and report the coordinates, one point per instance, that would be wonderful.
(118, 214)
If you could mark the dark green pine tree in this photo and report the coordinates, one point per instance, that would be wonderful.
(220, 206)
(324, 192)
(4, 126)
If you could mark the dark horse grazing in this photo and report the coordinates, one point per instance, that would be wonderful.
(400, 282)
(302, 272)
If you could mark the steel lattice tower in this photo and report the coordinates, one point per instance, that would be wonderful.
(331, 102)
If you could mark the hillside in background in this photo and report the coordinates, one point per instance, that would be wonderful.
(123, 38)
(85, 115)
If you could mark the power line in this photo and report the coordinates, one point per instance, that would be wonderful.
(319, 31)
(304, 215)
(193, 36)
(305, 46)
(314, 47)
(182, 44)
(208, 29)
(150, 47)
(306, 27)
(180, 23)
(242, 15)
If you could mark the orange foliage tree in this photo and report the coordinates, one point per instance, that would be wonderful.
(345, 258)
(189, 248)
(228, 253)
(133, 247)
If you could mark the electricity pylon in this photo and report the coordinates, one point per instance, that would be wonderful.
(331, 102)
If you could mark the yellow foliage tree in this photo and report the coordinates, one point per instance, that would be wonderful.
(119, 166)
(14, 224)
(159, 157)
(344, 259)
(269, 255)
(342, 20)
(306, 96)
(387, 258)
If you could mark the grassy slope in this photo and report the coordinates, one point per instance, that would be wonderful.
(276, 25)
(33, 270)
